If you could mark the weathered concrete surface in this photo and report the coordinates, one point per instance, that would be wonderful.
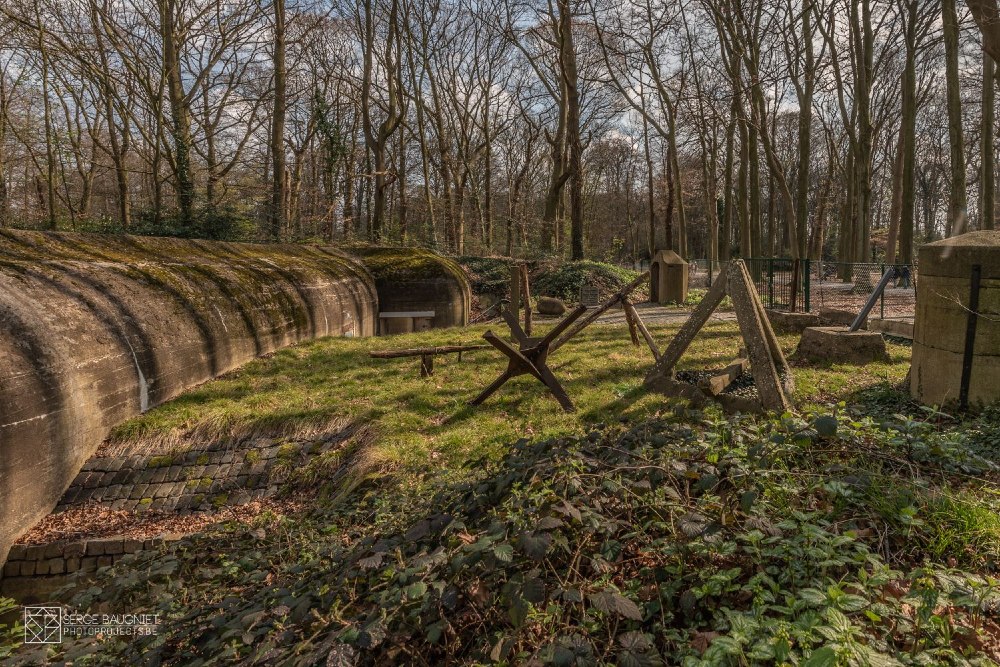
(942, 316)
(414, 279)
(96, 329)
(839, 345)
(898, 327)
(835, 317)
(783, 322)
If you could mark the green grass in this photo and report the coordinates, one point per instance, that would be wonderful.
(419, 421)
(515, 531)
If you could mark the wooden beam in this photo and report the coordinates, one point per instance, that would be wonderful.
(633, 329)
(422, 351)
(597, 312)
(641, 326)
(717, 384)
(526, 296)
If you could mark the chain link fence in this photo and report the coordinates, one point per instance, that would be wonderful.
(845, 286)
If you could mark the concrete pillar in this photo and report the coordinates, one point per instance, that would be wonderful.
(941, 329)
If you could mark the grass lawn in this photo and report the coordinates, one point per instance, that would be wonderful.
(416, 421)
(864, 530)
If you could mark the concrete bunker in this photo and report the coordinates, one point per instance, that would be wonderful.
(417, 289)
(96, 329)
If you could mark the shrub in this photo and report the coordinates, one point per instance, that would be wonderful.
(565, 280)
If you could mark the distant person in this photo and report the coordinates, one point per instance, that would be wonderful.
(902, 276)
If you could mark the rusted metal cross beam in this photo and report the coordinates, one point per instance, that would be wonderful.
(529, 358)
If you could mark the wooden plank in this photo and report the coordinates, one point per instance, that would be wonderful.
(526, 295)
(664, 367)
(633, 329)
(594, 314)
(515, 289)
(426, 365)
(642, 329)
(717, 384)
(421, 351)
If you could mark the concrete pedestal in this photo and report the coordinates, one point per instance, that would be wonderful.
(838, 345)
(942, 321)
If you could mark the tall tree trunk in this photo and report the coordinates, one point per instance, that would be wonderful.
(50, 158)
(726, 235)
(180, 118)
(401, 182)
(277, 214)
(743, 187)
(651, 193)
(908, 130)
(558, 176)
(957, 206)
(987, 186)
(117, 147)
(569, 73)
(896, 205)
(805, 132)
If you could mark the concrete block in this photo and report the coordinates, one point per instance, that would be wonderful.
(836, 317)
(75, 549)
(900, 328)
(27, 568)
(838, 345)
(34, 552)
(56, 566)
(12, 569)
(783, 322)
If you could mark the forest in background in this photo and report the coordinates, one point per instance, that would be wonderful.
(575, 128)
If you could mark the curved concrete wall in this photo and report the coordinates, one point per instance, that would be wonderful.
(412, 279)
(96, 329)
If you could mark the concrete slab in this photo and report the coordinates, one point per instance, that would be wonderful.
(838, 345)
(900, 328)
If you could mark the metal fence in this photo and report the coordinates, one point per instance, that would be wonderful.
(822, 285)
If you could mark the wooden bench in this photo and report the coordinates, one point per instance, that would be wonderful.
(426, 354)
(404, 321)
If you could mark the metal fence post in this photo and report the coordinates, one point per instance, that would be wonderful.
(770, 282)
(806, 285)
(882, 298)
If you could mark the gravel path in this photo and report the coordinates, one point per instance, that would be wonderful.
(652, 313)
